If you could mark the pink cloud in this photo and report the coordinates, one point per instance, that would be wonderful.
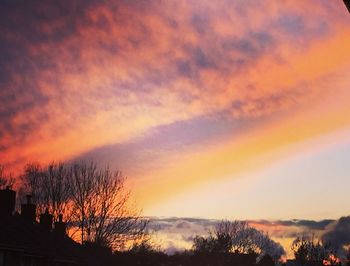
(107, 72)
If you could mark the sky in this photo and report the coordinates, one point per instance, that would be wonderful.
(174, 234)
(212, 109)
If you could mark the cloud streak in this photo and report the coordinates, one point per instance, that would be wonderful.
(90, 76)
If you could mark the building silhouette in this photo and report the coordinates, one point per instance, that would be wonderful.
(26, 242)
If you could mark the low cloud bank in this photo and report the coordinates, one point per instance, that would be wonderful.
(338, 234)
(175, 234)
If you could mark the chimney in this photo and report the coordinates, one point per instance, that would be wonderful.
(28, 210)
(46, 220)
(7, 201)
(60, 226)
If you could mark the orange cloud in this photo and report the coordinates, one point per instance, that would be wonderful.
(111, 73)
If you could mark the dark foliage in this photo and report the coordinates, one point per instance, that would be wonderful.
(311, 251)
(239, 238)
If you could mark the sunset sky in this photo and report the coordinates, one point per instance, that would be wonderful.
(212, 109)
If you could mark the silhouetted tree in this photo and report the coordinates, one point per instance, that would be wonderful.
(100, 204)
(211, 244)
(237, 237)
(49, 187)
(144, 246)
(93, 200)
(6, 180)
(312, 251)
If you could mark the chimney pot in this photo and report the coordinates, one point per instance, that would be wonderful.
(7, 201)
(28, 210)
(60, 226)
(46, 220)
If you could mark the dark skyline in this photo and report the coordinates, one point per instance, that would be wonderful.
(212, 109)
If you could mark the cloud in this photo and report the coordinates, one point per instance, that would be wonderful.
(176, 234)
(100, 77)
(338, 233)
(292, 228)
(313, 225)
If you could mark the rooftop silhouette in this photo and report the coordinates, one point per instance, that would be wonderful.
(24, 241)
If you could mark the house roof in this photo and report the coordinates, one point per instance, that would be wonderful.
(31, 239)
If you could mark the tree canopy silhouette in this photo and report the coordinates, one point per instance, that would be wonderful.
(93, 201)
(312, 251)
(238, 237)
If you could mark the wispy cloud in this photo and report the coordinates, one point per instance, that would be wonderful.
(81, 78)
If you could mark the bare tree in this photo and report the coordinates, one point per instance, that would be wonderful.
(6, 180)
(49, 187)
(93, 201)
(238, 237)
(31, 180)
(82, 183)
(100, 204)
(242, 236)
